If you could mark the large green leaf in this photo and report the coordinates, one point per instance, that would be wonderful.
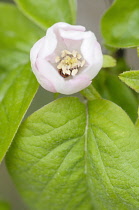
(71, 156)
(110, 87)
(131, 78)
(17, 90)
(16, 31)
(120, 24)
(17, 83)
(45, 13)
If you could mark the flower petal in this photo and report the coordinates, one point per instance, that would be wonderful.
(63, 36)
(61, 85)
(35, 50)
(50, 44)
(66, 26)
(45, 83)
(47, 72)
(72, 39)
(96, 61)
(87, 47)
(52, 38)
(75, 85)
(73, 35)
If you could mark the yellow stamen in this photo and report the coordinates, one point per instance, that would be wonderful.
(69, 63)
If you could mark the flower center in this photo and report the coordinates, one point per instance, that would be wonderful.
(69, 63)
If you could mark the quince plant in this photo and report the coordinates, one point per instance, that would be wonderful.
(78, 152)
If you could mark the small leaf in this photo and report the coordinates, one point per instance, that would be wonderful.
(46, 13)
(71, 156)
(120, 24)
(110, 87)
(131, 78)
(108, 61)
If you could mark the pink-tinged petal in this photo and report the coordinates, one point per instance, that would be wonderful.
(87, 47)
(97, 62)
(73, 39)
(72, 86)
(59, 37)
(47, 72)
(42, 78)
(73, 35)
(49, 45)
(45, 83)
(66, 26)
(72, 44)
(35, 50)
(61, 85)
(52, 38)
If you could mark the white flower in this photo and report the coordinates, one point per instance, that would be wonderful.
(66, 59)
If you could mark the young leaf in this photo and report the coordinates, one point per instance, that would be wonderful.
(17, 83)
(71, 156)
(110, 87)
(131, 78)
(120, 24)
(108, 61)
(46, 13)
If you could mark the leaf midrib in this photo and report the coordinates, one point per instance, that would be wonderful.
(86, 151)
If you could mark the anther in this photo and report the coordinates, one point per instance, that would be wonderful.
(69, 63)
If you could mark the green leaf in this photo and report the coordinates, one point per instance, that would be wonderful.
(16, 31)
(111, 88)
(120, 24)
(131, 78)
(71, 156)
(16, 92)
(108, 61)
(46, 13)
(4, 205)
(17, 83)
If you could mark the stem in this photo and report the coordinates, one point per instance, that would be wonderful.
(90, 93)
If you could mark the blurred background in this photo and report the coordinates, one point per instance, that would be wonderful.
(89, 14)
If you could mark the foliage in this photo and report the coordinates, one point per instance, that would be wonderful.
(46, 13)
(131, 78)
(64, 159)
(17, 83)
(70, 154)
(120, 24)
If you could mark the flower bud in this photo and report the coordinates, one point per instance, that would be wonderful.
(66, 59)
